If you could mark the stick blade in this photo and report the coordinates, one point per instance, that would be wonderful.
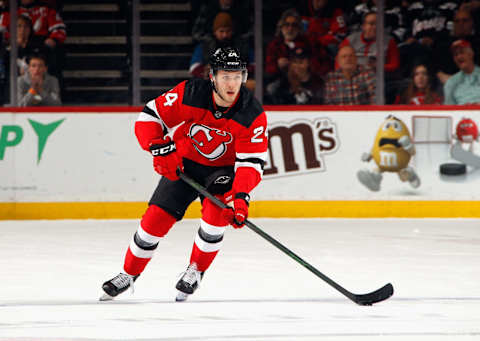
(376, 296)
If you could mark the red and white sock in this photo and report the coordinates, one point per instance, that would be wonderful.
(209, 238)
(154, 225)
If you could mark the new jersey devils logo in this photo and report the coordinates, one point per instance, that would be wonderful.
(210, 142)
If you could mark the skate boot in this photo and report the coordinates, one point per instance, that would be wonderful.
(188, 283)
(117, 285)
(370, 179)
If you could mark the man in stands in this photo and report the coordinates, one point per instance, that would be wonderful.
(463, 28)
(364, 42)
(48, 26)
(464, 86)
(351, 83)
(36, 86)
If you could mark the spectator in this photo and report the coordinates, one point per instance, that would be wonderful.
(419, 90)
(426, 21)
(463, 25)
(325, 24)
(271, 11)
(27, 43)
(241, 12)
(351, 83)
(222, 36)
(394, 22)
(56, 4)
(464, 86)
(3, 43)
(473, 7)
(48, 25)
(299, 85)
(3, 57)
(36, 87)
(365, 45)
(288, 37)
(463, 28)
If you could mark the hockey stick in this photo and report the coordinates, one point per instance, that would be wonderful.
(366, 299)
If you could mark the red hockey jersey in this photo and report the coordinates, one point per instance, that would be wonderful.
(237, 137)
(47, 23)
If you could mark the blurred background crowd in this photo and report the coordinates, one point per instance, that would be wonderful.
(119, 52)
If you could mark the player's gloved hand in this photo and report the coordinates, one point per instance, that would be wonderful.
(406, 143)
(236, 216)
(166, 158)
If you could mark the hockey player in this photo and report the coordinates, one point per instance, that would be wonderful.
(216, 132)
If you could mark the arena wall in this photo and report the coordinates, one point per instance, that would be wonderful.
(78, 162)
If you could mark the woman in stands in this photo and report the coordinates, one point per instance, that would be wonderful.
(419, 90)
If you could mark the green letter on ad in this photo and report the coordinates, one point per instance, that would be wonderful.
(16, 137)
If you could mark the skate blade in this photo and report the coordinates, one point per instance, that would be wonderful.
(181, 297)
(106, 297)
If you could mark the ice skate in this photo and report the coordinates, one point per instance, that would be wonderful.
(370, 179)
(188, 283)
(117, 285)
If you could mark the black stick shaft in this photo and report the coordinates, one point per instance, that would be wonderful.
(269, 238)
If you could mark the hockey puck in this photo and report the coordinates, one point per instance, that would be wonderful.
(453, 168)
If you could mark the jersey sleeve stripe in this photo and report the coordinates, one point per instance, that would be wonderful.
(256, 164)
(261, 156)
(150, 114)
(143, 117)
(148, 110)
(251, 160)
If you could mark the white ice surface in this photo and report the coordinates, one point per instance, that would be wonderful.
(51, 273)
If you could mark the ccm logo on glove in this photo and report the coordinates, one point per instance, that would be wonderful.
(166, 160)
(162, 149)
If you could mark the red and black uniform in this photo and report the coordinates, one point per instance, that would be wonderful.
(366, 50)
(326, 26)
(224, 151)
(320, 62)
(46, 22)
(419, 98)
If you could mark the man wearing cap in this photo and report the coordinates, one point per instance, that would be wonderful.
(240, 11)
(463, 28)
(223, 35)
(299, 85)
(464, 86)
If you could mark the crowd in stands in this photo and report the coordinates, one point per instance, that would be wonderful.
(41, 33)
(315, 51)
(325, 51)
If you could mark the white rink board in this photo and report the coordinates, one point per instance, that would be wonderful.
(89, 157)
(95, 157)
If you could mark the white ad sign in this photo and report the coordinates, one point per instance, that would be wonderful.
(314, 155)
